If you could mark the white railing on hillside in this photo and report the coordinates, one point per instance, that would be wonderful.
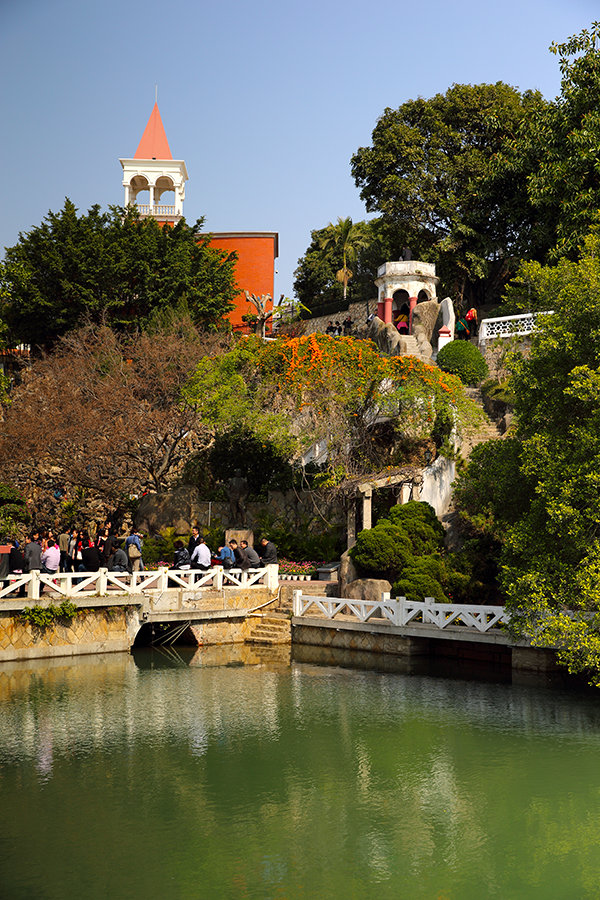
(104, 583)
(403, 612)
(509, 326)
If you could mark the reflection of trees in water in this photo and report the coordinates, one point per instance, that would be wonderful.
(398, 774)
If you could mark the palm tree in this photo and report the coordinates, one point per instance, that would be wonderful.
(349, 238)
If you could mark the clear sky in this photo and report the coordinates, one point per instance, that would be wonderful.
(265, 101)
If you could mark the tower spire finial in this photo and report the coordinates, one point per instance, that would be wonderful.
(156, 93)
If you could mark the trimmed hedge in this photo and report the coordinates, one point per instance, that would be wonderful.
(463, 359)
(391, 547)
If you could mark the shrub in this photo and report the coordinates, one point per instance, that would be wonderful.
(463, 359)
(419, 521)
(383, 551)
(422, 578)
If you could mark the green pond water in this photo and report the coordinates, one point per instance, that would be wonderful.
(228, 774)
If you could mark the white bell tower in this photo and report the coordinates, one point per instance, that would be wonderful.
(153, 169)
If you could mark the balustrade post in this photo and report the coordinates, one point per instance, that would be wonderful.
(297, 603)
(427, 610)
(163, 579)
(33, 588)
(271, 577)
(102, 582)
(218, 578)
(401, 601)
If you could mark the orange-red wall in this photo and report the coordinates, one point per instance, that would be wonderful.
(254, 270)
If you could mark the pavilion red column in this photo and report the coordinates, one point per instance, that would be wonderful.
(387, 313)
(380, 309)
(412, 302)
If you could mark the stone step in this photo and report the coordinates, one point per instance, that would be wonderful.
(267, 640)
(277, 621)
(269, 630)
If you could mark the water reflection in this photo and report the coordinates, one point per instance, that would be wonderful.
(230, 772)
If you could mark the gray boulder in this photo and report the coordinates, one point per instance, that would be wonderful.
(369, 589)
(347, 572)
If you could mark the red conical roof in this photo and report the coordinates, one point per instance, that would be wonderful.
(154, 143)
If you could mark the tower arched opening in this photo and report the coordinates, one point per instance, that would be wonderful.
(165, 185)
(139, 185)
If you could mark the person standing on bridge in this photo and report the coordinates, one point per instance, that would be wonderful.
(201, 557)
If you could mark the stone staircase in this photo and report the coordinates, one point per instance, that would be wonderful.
(412, 348)
(270, 629)
(487, 431)
(313, 588)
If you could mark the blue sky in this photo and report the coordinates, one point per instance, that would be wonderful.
(266, 101)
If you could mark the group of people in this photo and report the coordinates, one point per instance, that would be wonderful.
(336, 329)
(197, 554)
(75, 551)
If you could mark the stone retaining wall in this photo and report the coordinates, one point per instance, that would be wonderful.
(104, 630)
(356, 311)
(226, 631)
(322, 636)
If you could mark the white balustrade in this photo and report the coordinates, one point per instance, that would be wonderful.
(145, 209)
(103, 582)
(402, 611)
(509, 326)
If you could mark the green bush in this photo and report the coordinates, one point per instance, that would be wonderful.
(409, 532)
(419, 520)
(383, 551)
(424, 577)
(463, 359)
(301, 542)
(45, 616)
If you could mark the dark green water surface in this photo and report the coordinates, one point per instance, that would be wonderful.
(221, 776)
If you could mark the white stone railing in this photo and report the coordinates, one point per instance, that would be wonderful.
(103, 582)
(509, 326)
(402, 611)
(158, 210)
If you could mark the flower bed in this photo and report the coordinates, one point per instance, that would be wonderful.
(303, 571)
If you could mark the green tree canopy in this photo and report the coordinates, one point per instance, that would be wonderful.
(429, 172)
(538, 494)
(110, 267)
(346, 238)
(317, 284)
(560, 146)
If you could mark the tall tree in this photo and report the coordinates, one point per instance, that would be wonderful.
(564, 185)
(347, 238)
(316, 281)
(539, 494)
(110, 267)
(108, 413)
(430, 173)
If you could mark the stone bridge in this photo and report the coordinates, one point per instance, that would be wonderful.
(112, 607)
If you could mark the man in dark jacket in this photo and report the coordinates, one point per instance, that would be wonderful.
(119, 562)
(90, 559)
(194, 540)
(268, 554)
(251, 554)
(32, 555)
(241, 560)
